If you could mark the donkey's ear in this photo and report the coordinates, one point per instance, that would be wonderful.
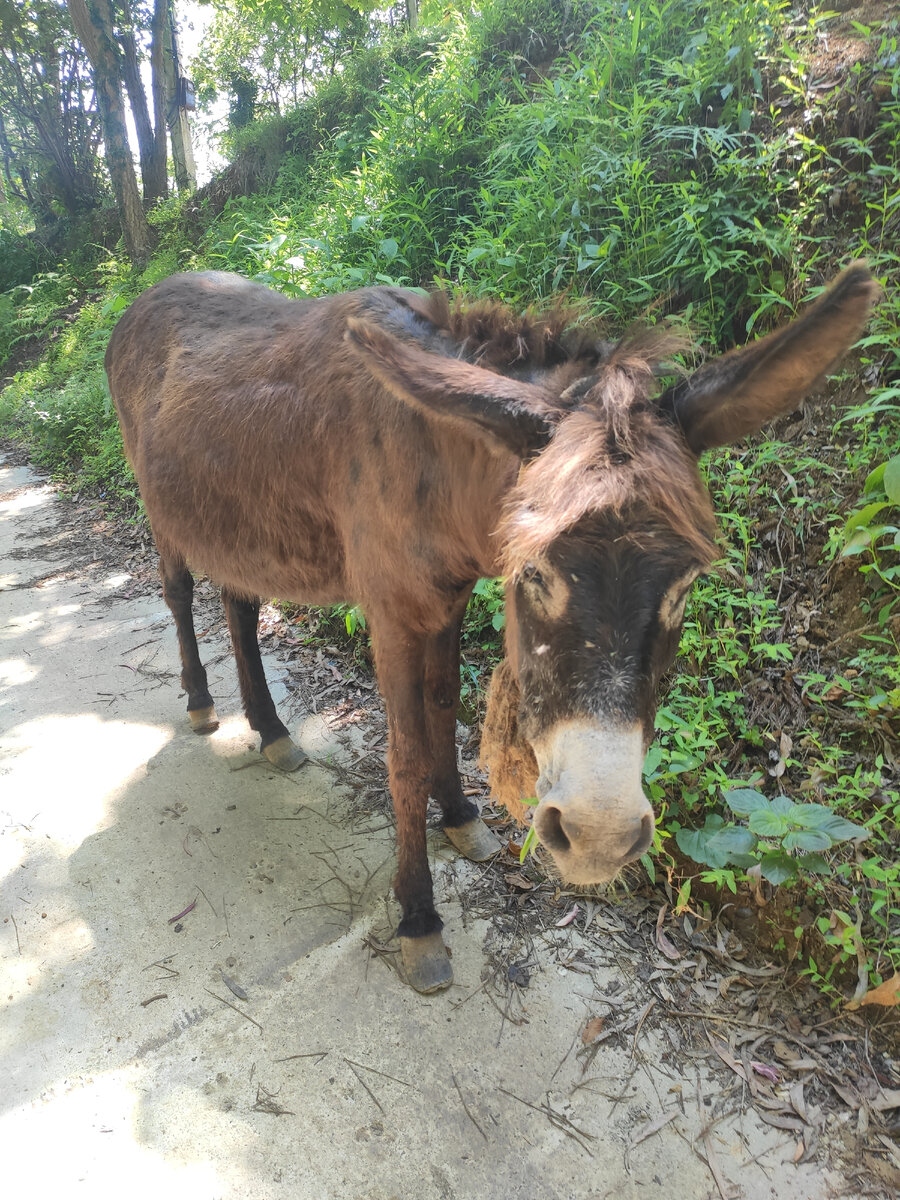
(737, 394)
(513, 415)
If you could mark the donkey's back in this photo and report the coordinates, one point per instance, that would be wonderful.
(266, 455)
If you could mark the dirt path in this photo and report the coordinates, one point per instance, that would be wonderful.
(261, 1046)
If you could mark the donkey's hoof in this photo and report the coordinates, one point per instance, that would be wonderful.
(426, 963)
(284, 754)
(473, 839)
(203, 720)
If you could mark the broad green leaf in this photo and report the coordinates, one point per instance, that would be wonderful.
(807, 839)
(733, 839)
(863, 518)
(767, 823)
(744, 801)
(814, 863)
(892, 479)
(840, 830)
(652, 759)
(811, 816)
(389, 247)
(873, 479)
(777, 867)
(782, 805)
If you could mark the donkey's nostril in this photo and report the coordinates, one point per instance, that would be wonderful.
(642, 845)
(550, 830)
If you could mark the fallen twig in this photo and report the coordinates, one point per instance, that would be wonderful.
(466, 1107)
(654, 1127)
(558, 1120)
(319, 1054)
(234, 1008)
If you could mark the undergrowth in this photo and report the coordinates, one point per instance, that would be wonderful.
(651, 157)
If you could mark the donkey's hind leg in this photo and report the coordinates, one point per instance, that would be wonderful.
(178, 590)
(275, 741)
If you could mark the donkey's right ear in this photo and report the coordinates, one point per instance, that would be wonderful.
(742, 391)
(510, 414)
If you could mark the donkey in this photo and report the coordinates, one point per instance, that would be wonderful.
(387, 448)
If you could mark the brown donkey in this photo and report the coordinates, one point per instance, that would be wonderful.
(388, 449)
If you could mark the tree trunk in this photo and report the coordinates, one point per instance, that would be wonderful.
(153, 170)
(182, 152)
(158, 32)
(93, 22)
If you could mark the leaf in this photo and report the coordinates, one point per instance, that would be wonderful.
(892, 479)
(782, 805)
(662, 941)
(389, 247)
(726, 1056)
(517, 879)
(569, 917)
(733, 839)
(807, 839)
(652, 759)
(777, 867)
(769, 823)
(820, 817)
(874, 479)
(744, 801)
(814, 863)
(767, 1072)
(863, 518)
(233, 986)
(887, 994)
(695, 842)
(592, 1030)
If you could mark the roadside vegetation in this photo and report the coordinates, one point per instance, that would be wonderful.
(715, 162)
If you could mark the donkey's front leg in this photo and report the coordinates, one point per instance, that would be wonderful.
(400, 665)
(462, 821)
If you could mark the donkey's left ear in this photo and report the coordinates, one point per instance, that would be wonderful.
(509, 414)
(737, 394)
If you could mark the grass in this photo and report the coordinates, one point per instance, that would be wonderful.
(651, 157)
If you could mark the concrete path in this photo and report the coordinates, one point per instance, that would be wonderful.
(131, 1063)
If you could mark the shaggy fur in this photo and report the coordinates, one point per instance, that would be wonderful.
(505, 755)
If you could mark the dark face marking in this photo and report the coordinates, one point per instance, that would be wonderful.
(598, 620)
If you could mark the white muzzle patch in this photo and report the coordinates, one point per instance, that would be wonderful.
(593, 815)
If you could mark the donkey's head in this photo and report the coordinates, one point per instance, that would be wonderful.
(603, 534)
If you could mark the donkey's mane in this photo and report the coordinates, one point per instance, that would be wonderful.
(496, 337)
(612, 453)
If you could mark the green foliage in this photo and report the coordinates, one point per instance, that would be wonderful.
(782, 837)
(874, 530)
(20, 258)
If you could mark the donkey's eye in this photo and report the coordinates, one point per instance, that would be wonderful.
(532, 575)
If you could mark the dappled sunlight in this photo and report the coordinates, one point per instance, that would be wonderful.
(59, 942)
(92, 1124)
(30, 498)
(68, 770)
(115, 581)
(14, 671)
(22, 623)
(59, 625)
